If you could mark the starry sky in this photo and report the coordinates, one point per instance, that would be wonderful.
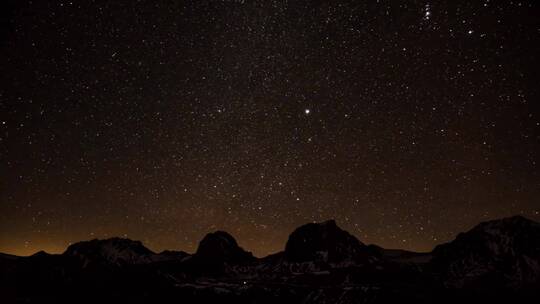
(160, 121)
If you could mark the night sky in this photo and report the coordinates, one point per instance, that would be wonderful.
(161, 121)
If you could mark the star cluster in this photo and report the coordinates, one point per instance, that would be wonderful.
(406, 121)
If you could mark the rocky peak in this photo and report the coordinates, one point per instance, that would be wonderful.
(220, 246)
(507, 236)
(324, 242)
(507, 249)
(113, 251)
(507, 225)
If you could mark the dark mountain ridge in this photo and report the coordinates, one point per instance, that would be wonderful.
(113, 251)
(221, 247)
(325, 242)
(321, 263)
(504, 252)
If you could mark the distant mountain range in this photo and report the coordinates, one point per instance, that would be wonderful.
(495, 262)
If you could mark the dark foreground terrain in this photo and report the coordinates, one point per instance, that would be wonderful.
(495, 262)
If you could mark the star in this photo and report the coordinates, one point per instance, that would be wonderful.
(427, 12)
(230, 116)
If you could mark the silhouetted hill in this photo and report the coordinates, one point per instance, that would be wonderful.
(495, 261)
(326, 242)
(499, 253)
(113, 251)
(222, 247)
(218, 254)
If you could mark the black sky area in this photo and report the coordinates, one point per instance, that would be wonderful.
(406, 121)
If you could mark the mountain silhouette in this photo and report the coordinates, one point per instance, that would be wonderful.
(113, 251)
(220, 246)
(324, 242)
(502, 253)
(496, 261)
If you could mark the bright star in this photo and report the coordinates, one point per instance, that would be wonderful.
(427, 12)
